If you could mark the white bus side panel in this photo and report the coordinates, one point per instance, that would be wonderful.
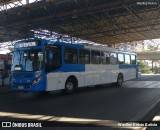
(52, 81)
(114, 73)
(131, 73)
(57, 81)
(105, 74)
(92, 76)
(128, 73)
(81, 78)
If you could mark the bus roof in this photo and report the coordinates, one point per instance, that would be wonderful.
(79, 45)
(110, 49)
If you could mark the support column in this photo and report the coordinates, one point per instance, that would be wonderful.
(152, 65)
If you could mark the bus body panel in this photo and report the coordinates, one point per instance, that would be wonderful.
(23, 81)
(114, 73)
(105, 74)
(86, 74)
(57, 81)
(88, 78)
(128, 71)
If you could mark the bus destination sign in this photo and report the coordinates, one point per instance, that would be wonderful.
(26, 44)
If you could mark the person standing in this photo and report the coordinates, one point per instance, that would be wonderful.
(28, 63)
(4, 71)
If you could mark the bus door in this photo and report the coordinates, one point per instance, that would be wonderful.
(52, 64)
(105, 68)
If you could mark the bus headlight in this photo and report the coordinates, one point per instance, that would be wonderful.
(36, 80)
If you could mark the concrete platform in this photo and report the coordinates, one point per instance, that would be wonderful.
(6, 81)
(5, 89)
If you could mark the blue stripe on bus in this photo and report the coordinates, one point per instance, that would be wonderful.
(127, 66)
(70, 68)
(73, 68)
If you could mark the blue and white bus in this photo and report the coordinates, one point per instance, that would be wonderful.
(46, 65)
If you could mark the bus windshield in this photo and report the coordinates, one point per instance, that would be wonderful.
(27, 60)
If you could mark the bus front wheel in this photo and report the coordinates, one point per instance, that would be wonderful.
(70, 86)
(120, 80)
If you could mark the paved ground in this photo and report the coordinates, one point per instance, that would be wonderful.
(138, 100)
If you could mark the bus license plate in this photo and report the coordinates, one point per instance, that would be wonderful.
(20, 87)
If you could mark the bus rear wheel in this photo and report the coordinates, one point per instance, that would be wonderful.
(119, 80)
(70, 86)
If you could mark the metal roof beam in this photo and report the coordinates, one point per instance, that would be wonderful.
(132, 12)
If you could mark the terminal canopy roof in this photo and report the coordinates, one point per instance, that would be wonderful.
(101, 21)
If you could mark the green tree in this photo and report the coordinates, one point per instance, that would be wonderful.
(153, 47)
(143, 64)
(144, 69)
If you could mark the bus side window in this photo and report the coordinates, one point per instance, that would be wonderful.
(105, 58)
(121, 58)
(53, 58)
(127, 59)
(133, 59)
(95, 57)
(71, 55)
(113, 58)
(84, 56)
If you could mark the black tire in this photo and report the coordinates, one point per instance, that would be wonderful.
(70, 86)
(119, 80)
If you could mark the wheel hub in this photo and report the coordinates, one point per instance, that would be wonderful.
(69, 86)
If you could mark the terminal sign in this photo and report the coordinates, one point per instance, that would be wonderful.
(27, 44)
